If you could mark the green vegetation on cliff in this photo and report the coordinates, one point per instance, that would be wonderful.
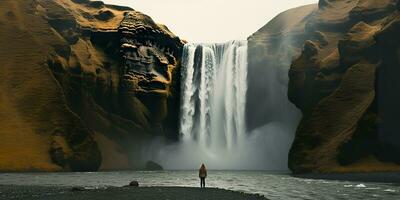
(79, 89)
(343, 58)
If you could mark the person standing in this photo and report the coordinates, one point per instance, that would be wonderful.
(202, 175)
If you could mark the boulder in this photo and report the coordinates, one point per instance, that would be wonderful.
(152, 166)
(134, 184)
(78, 189)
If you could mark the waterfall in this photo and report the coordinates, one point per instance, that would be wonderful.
(212, 115)
(213, 93)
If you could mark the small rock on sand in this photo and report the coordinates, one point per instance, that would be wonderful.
(134, 184)
(78, 189)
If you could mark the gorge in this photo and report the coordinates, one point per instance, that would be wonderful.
(87, 86)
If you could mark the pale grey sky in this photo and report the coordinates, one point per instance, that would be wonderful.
(212, 20)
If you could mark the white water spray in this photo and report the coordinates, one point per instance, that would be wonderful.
(212, 124)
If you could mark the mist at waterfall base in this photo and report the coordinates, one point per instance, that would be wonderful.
(213, 125)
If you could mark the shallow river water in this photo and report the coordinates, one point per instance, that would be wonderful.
(270, 184)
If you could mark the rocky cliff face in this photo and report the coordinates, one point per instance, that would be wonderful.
(344, 83)
(271, 50)
(83, 84)
(342, 78)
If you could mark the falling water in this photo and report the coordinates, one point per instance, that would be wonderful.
(212, 117)
(214, 93)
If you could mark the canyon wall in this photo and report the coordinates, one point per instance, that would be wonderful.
(344, 84)
(345, 59)
(269, 113)
(83, 85)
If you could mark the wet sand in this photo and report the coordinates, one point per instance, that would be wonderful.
(121, 193)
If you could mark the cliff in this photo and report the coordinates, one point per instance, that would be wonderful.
(344, 83)
(271, 50)
(343, 59)
(83, 85)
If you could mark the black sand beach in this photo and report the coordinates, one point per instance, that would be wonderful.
(121, 193)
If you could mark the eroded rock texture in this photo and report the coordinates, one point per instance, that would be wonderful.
(270, 52)
(344, 83)
(343, 58)
(121, 80)
(150, 57)
(89, 84)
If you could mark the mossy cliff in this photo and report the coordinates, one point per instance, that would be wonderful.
(343, 58)
(83, 85)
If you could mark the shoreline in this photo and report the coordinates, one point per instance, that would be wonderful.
(121, 193)
(378, 177)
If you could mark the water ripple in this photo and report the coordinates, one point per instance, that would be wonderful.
(272, 186)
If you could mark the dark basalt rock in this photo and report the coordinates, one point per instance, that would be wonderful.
(152, 166)
(134, 184)
(78, 189)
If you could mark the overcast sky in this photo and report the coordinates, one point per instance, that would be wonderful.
(212, 20)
